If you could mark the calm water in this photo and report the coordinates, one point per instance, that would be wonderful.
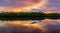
(52, 26)
(39, 22)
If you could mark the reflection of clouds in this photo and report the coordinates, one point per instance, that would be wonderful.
(1, 24)
(52, 26)
(46, 22)
(12, 27)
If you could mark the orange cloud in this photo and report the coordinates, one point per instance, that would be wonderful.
(34, 4)
(16, 5)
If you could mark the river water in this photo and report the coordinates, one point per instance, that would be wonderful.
(39, 22)
(52, 26)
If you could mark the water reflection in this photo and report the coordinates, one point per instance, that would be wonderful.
(37, 21)
(23, 21)
(52, 26)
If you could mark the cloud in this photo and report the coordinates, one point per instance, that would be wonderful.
(18, 3)
(52, 5)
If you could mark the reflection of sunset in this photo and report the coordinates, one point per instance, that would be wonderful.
(47, 19)
(24, 27)
(13, 22)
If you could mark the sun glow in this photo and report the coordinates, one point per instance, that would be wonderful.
(36, 5)
(29, 7)
(48, 12)
(16, 10)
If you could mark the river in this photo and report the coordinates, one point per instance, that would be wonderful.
(52, 26)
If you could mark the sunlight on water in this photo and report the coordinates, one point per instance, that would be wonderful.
(37, 21)
(46, 19)
(45, 24)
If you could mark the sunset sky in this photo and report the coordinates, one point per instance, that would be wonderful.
(17, 5)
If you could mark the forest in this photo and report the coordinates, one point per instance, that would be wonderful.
(28, 16)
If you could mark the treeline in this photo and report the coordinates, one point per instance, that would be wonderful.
(28, 16)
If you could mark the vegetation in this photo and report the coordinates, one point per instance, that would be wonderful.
(28, 16)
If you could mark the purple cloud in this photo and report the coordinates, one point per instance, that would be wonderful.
(52, 5)
(17, 3)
